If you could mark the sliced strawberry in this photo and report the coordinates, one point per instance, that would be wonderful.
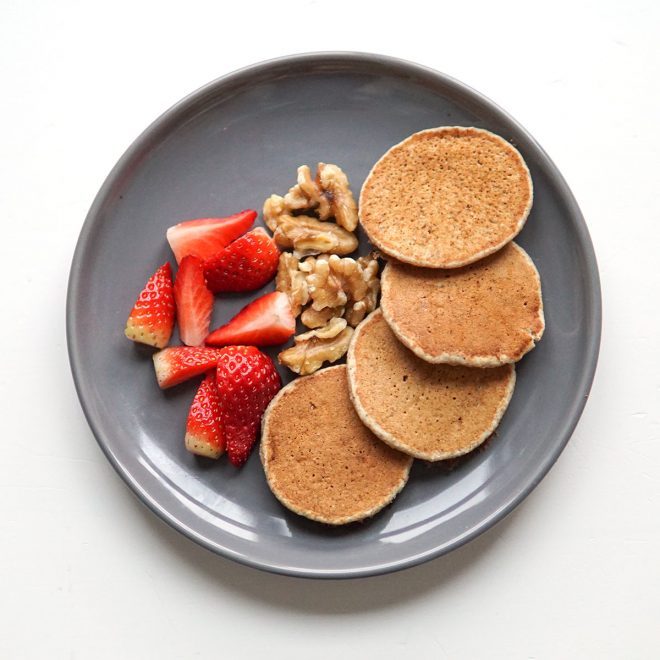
(266, 321)
(244, 265)
(175, 364)
(204, 435)
(207, 236)
(194, 302)
(152, 318)
(247, 381)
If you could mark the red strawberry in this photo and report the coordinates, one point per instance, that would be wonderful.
(204, 435)
(175, 364)
(247, 381)
(152, 318)
(207, 236)
(194, 302)
(266, 321)
(244, 265)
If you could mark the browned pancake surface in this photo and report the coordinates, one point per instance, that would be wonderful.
(446, 197)
(431, 411)
(320, 460)
(485, 314)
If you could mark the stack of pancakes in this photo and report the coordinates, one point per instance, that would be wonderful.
(429, 374)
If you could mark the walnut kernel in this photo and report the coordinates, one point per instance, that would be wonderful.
(306, 194)
(308, 236)
(306, 356)
(328, 331)
(274, 207)
(292, 281)
(334, 184)
(350, 274)
(325, 288)
(313, 318)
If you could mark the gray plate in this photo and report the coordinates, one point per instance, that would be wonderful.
(225, 148)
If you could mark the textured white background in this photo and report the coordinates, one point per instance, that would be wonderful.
(87, 572)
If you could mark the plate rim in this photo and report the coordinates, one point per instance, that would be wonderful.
(349, 58)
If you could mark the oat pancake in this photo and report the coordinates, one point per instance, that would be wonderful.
(430, 411)
(483, 315)
(446, 197)
(320, 460)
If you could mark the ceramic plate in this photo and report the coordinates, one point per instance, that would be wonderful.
(227, 147)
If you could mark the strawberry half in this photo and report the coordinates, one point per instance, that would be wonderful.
(204, 435)
(247, 381)
(244, 265)
(175, 364)
(266, 321)
(194, 302)
(207, 236)
(152, 318)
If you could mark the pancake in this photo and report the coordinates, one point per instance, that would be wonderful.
(446, 197)
(483, 315)
(320, 460)
(430, 411)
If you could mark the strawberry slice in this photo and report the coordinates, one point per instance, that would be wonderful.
(247, 381)
(194, 302)
(204, 435)
(266, 321)
(152, 318)
(207, 236)
(244, 265)
(175, 364)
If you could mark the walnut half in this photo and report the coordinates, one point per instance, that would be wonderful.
(274, 208)
(334, 184)
(328, 196)
(292, 281)
(325, 288)
(349, 285)
(308, 236)
(307, 194)
(330, 330)
(313, 318)
(358, 308)
(309, 354)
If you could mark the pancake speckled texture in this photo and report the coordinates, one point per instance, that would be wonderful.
(446, 197)
(320, 460)
(483, 315)
(429, 411)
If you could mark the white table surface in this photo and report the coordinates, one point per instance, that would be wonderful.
(86, 571)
